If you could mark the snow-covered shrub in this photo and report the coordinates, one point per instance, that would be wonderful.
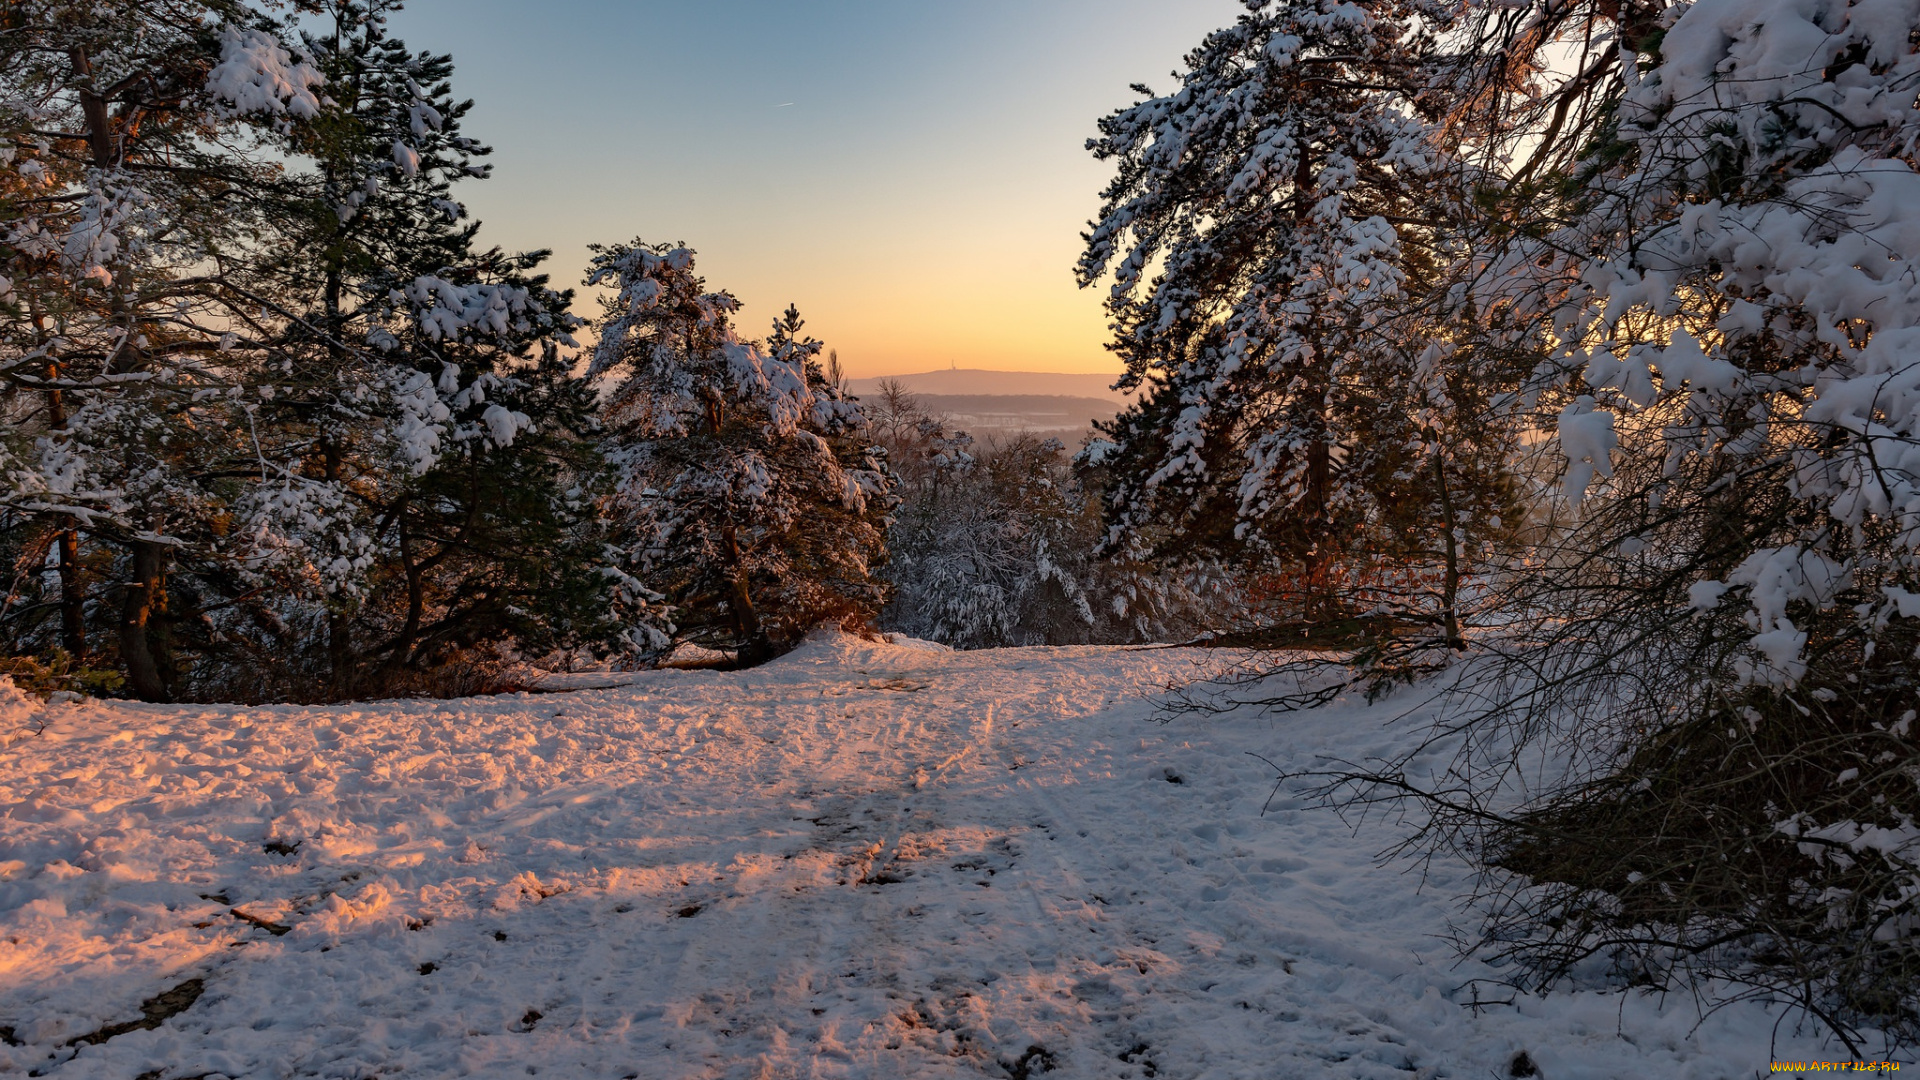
(1730, 292)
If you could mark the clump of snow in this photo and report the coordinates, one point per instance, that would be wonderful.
(406, 159)
(1683, 361)
(1777, 578)
(1588, 439)
(504, 425)
(446, 311)
(257, 75)
(1906, 603)
(1705, 595)
(905, 642)
(15, 706)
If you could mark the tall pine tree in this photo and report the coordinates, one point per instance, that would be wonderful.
(439, 432)
(1274, 234)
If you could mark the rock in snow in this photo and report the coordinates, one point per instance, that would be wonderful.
(862, 860)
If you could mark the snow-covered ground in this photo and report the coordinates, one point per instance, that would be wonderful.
(863, 860)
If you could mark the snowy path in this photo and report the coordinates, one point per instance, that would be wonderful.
(860, 861)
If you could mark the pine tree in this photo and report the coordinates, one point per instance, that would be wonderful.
(1719, 264)
(135, 149)
(1303, 409)
(748, 496)
(290, 407)
(440, 435)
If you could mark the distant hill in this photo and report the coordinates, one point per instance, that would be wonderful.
(976, 382)
(1060, 415)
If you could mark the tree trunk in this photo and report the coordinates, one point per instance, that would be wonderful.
(402, 654)
(339, 652)
(339, 633)
(754, 648)
(93, 107)
(1320, 603)
(143, 648)
(73, 614)
(1450, 586)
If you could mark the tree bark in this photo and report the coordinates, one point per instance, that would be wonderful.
(144, 646)
(142, 624)
(1320, 606)
(100, 141)
(73, 612)
(754, 648)
(416, 597)
(339, 632)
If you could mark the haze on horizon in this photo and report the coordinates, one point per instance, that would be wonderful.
(911, 175)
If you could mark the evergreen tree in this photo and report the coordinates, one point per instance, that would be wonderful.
(137, 157)
(439, 433)
(1304, 408)
(314, 430)
(1720, 267)
(747, 493)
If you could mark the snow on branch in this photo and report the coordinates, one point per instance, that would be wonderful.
(256, 74)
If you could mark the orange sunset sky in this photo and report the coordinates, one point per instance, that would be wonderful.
(912, 174)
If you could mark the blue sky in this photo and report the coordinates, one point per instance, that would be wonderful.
(921, 198)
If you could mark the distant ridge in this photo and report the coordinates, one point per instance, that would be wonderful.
(977, 381)
(1070, 418)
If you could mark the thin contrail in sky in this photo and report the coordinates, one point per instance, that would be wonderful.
(783, 105)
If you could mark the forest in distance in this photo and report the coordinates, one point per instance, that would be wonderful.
(1553, 362)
